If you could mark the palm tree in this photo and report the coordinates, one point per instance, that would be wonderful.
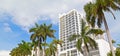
(14, 52)
(84, 38)
(40, 34)
(36, 38)
(51, 50)
(46, 32)
(52, 47)
(95, 14)
(57, 42)
(34, 46)
(23, 49)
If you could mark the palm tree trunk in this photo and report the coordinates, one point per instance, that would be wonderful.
(38, 47)
(44, 49)
(56, 53)
(36, 52)
(109, 37)
(86, 52)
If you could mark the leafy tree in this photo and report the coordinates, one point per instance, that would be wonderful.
(40, 34)
(95, 14)
(52, 47)
(23, 49)
(85, 38)
(46, 31)
(36, 38)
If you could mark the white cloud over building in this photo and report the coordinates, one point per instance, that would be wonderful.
(26, 12)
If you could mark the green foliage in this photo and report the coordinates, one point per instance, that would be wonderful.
(52, 47)
(95, 31)
(95, 14)
(79, 44)
(95, 11)
(113, 41)
(40, 34)
(46, 31)
(38, 38)
(117, 52)
(84, 37)
(23, 49)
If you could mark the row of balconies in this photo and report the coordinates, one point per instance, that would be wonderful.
(67, 47)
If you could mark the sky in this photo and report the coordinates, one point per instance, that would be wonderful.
(18, 16)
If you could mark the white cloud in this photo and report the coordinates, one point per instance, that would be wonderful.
(7, 27)
(4, 53)
(26, 12)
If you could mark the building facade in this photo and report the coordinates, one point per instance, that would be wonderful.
(69, 24)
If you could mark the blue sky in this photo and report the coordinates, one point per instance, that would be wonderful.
(18, 16)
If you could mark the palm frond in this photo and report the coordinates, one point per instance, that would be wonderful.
(50, 26)
(79, 44)
(117, 1)
(83, 24)
(32, 30)
(87, 28)
(114, 6)
(108, 9)
(36, 25)
(33, 37)
(93, 21)
(55, 41)
(73, 37)
(45, 44)
(86, 45)
(92, 42)
(95, 31)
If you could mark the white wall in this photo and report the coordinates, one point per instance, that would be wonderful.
(103, 46)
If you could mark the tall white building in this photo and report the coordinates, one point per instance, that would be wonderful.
(69, 24)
